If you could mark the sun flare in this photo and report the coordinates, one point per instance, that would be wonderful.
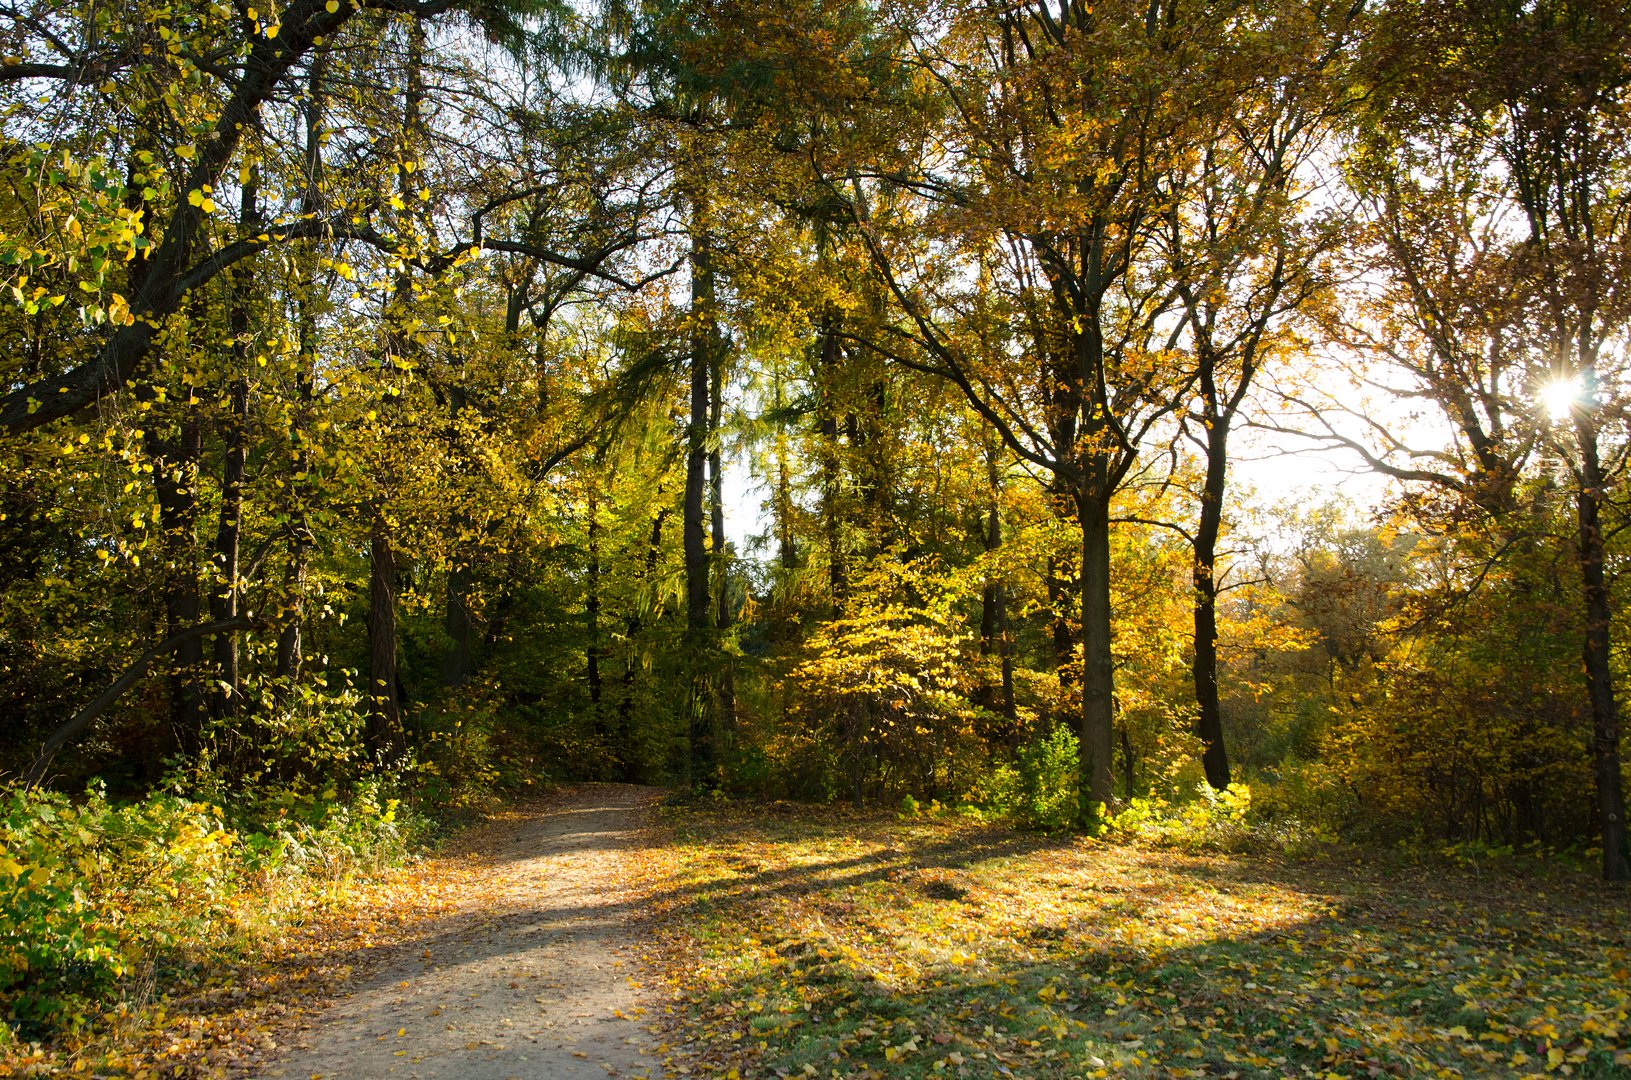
(1560, 396)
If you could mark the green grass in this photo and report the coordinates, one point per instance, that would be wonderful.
(820, 943)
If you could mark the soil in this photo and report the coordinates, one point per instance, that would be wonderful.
(533, 974)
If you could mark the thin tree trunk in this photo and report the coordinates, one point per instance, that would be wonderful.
(1127, 763)
(1598, 652)
(994, 635)
(723, 615)
(175, 475)
(831, 470)
(383, 733)
(1061, 634)
(591, 653)
(458, 620)
(227, 696)
(290, 644)
(698, 607)
(632, 625)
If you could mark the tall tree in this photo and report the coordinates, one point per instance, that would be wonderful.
(1243, 250)
(1016, 244)
(1491, 161)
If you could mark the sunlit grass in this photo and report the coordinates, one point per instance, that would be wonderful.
(822, 945)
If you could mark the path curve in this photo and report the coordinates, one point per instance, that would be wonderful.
(526, 979)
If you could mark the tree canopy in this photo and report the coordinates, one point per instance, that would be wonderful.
(837, 400)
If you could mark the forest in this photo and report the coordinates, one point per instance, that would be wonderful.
(929, 408)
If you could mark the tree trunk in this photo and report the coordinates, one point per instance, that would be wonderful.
(1598, 649)
(459, 623)
(383, 734)
(290, 645)
(723, 616)
(1098, 670)
(994, 636)
(591, 614)
(632, 625)
(1127, 763)
(698, 595)
(831, 471)
(175, 475)
(1209, 721)
(1062, 635)
(225, 699)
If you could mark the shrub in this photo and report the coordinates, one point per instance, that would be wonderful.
(96, 899)
(1041, 789)
(1212, 821)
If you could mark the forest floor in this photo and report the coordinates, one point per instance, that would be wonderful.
(807, 942)
(595, 932)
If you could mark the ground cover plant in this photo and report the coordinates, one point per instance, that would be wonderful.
(836, 944)
(165, 936)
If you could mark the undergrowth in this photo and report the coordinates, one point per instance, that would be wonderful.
(107, 907)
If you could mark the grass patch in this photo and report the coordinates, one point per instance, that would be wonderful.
(825, 943)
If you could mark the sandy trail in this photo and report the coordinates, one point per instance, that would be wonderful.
(523, 980)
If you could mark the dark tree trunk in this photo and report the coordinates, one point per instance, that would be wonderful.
(383, 733)
(698, 594)
(994, 636)
(1063, 635)
(459, 623)
(1209, 721)
(591, 612)
(175, 475)
(831, 471)
(1598, 653)
(1127, 763)
(290, 645)
(723, 616)
(226, 698)
(458, 618)
(632, 625)
(1098, 667)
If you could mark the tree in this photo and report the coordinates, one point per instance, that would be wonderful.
(1244, 253)
(1018, 246)
(1491, 163)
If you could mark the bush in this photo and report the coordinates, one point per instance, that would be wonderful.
(97, 898)
(1041, 789)
(882, 698)
(1212, 821)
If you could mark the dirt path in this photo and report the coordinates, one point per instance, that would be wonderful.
(524, 979)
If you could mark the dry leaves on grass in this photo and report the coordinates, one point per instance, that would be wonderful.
(812, 944)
